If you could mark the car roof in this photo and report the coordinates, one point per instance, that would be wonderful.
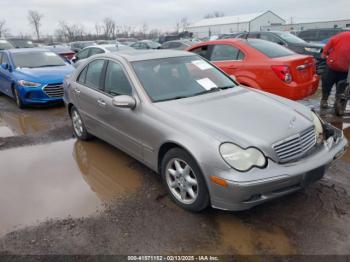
(141, 55)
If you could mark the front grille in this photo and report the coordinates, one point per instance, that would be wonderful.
(54, 90)
(296, 146)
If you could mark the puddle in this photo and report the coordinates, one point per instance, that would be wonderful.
(61, 179)
(244, 239)
(26, 123)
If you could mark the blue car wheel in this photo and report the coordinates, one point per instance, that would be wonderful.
(18, 98)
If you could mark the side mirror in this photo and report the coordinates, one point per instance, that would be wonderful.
(124, 101)
(6, 66)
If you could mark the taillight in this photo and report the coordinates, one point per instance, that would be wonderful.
(283, 73)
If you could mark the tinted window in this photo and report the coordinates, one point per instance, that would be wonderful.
(253, 35)
(224, 53)
(240, 56)
(116, 82)
(83, 54)
(270, 49)
(94, 73)
(5, 45)
(37, 59)
(202, 51)
(95, 51)
(179, 77)
(271, 38)
(82, 76)
(289, 38)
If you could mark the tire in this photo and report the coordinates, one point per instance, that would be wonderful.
(79, 128)
(18, 100)
(191, 180)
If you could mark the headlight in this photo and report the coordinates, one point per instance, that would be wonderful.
(28, 83)
(318, 127)
(313, 49)
(242, 159)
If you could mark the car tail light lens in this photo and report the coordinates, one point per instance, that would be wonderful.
(283, 73)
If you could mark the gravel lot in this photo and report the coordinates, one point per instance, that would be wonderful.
(63, 196)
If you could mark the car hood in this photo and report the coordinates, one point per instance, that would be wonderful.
(44, 75)
(242, 116)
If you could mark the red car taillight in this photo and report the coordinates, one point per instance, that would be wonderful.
(283, 73)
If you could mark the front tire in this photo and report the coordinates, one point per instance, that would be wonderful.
(184, 180)
(18, 100)
(79, 128)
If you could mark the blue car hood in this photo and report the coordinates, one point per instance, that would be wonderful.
(44, 75)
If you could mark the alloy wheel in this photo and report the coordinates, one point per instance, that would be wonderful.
(182, 181)
(77, 123)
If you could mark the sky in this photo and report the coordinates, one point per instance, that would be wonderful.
(161, 14)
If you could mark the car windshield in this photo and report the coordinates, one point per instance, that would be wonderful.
(36, 59)
(269, 49)
(5, 45)
(180, 77)
(22, 43)
(290, 38)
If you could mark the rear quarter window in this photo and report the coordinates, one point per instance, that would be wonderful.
(269, 49)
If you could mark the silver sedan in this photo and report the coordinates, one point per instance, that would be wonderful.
(213, 142)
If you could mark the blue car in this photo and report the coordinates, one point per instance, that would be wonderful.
(33, 76)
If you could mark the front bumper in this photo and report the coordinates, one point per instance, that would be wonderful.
(279, 180)
(36, 95)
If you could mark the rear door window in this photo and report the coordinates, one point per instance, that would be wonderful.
(203, 51)
(94, 74)
(269, 49)
(224, 53)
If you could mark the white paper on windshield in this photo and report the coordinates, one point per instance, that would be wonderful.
(50, 54)
(3, 41)
(206, 83)
(202, 65)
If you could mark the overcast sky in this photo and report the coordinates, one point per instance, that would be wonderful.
(161, 14)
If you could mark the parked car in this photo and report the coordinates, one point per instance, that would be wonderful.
(127, 41)
(177, 44)
(21, 43)
(77, 46)
(292, 42)
(214, 142)
(146, 44)
(4, 44)
(97, 49)
(32, 76)
(319, 35)
(63, 51)
(263, 65)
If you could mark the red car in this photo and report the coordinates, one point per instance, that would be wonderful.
(263, 65)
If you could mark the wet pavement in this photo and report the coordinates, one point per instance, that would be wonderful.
(63, 196)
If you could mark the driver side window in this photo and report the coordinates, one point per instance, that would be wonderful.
(116, 81)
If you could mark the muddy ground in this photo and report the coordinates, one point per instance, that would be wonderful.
(63, 196)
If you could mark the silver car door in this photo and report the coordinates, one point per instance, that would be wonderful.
(122, 128)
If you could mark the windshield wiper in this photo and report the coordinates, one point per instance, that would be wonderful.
(171, 98)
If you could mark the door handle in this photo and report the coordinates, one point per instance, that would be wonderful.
(101, 102)
(77, 90)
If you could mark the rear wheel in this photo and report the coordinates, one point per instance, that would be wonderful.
(18, 98)
(184, 180)
(79, 128)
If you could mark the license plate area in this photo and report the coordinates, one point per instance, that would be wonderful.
(313, 176)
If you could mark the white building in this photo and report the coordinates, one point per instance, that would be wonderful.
(345, 23)
(234, 24)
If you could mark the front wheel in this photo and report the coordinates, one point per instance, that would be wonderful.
(184, 180)
(19, 102)
(79, 128)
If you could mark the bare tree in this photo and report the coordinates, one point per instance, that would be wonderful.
(70, 32)
(98, 29)
(3, 29)
(34, 18)
(214, 14)
(177, 27)
(144, 29)
(109, 27)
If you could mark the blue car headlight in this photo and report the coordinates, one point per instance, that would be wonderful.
(25, 83)
(242, 159)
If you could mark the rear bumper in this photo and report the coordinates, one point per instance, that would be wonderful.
(280, 180)
(297, 91)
